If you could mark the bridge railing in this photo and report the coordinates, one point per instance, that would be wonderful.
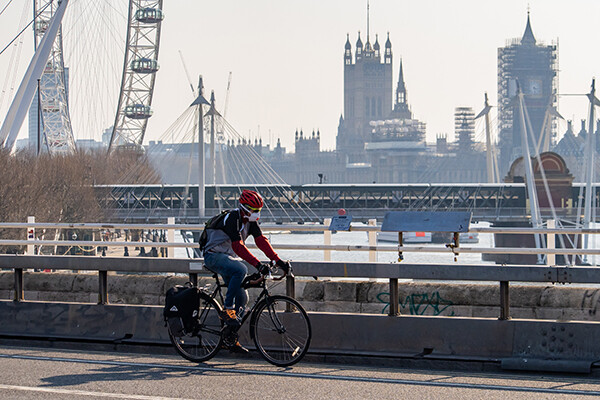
(392, 272)
(371, 229)
(480, 213)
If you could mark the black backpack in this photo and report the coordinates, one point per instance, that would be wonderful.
(215, 222)
(181, 309)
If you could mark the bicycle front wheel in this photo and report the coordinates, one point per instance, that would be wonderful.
(204, 342)
(281, 330)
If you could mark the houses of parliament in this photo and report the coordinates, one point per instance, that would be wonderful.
(380, 141)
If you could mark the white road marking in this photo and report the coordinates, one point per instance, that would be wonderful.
(75, 392)
(350, 378)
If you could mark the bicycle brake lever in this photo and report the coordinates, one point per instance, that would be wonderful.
(284, 275)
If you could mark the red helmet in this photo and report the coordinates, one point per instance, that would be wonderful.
(251, 200)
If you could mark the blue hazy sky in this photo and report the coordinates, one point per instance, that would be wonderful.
(287, 57)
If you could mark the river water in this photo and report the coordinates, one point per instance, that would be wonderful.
(354, 238)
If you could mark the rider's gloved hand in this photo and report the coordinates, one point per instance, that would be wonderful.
(247, 282)
(263, 268)
(284, 265)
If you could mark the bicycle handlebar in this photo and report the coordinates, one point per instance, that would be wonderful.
(257, 278)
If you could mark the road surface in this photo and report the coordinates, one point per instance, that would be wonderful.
(39, 373)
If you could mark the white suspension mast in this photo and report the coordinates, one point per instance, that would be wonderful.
(544, 140)
(212, 113)
(199, 102)
(493, 176)
(590, 164)
(536, 218)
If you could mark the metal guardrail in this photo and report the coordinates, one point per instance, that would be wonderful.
(279, 227)
(392, 272)
(327, 247)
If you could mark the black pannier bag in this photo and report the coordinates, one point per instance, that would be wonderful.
(181, 309)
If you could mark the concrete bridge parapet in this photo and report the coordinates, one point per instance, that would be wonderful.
(530, 301)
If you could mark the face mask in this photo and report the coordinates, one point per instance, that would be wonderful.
(254, 216)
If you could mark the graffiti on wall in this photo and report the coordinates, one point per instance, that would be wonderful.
(420, 304)
(591, 301)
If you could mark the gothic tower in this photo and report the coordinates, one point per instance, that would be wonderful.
(531, 66)
(367, 94)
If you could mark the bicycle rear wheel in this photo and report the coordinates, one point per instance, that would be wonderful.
(205, 341)
(282, 337)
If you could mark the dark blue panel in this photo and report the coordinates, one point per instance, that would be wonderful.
(426, 221)
(340, 223)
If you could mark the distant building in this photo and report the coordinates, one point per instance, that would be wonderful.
(572, 148)
(533, 67)
(464, 129)
(367, 95)
(89, 144)
(378, 139)
(397, 149)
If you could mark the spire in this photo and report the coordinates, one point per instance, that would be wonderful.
(376, 48)
(368, 30)
(401, 84)
(359, 43)
(388, 50)
(369, 52)
(359, 48)
(401, 109)
(528, 38)
(348, 51)
(401, 97)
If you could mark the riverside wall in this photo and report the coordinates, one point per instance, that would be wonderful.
(543, 301)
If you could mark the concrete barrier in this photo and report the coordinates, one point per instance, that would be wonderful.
(530, 301)
(515, 344)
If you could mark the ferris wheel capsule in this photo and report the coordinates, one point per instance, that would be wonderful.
(138, 111)
(149, 15)
(144, 66)
(41, 25)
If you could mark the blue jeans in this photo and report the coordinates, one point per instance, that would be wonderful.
(233, 272)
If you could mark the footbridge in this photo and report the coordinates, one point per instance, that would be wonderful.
(490, 202)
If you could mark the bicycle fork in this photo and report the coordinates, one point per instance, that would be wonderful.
(274, 318)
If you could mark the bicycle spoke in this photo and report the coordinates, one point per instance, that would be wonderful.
(282, 337)
(204, 344)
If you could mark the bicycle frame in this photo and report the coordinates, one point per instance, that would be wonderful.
(217, 291)
(267, 327)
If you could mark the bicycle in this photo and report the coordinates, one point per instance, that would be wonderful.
(279, 325)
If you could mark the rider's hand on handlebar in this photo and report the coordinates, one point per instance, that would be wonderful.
(251, 280)
(284, 265)
(263, 268)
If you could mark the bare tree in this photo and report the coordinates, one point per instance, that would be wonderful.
(60, 188)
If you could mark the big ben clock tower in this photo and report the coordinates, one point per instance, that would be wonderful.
(531, 66)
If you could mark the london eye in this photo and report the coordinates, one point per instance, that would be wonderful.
(98, 79)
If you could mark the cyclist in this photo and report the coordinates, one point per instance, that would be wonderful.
(225, 242)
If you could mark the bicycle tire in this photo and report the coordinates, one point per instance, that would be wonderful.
(206, 343)
(282, 337)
